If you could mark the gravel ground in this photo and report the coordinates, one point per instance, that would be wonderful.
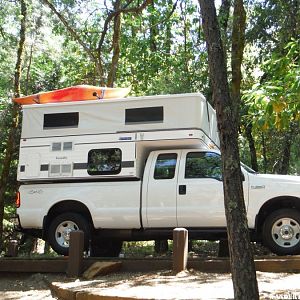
(25, 286)
(159, 285)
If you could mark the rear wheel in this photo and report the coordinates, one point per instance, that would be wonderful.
(60, 228)
(281, 232)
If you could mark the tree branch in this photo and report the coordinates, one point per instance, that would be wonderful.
(124, 9)
(75, 36)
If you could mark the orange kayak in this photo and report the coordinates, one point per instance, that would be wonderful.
(74, 93)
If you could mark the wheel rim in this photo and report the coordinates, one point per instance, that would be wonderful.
(62, 233)
(286, 232)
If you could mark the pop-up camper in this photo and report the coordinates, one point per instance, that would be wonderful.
(63, 140)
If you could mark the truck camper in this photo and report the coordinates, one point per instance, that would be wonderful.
(68, 138)
(134, 169)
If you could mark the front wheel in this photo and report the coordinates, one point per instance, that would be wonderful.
(281, 232)
(60, 228)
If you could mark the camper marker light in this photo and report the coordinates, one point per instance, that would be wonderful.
(18, 200)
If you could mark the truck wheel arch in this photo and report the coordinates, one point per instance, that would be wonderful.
(273, 205)
(67, 206)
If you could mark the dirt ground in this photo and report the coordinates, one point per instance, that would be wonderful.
(158, 285)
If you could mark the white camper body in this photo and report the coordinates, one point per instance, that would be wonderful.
(65, 141)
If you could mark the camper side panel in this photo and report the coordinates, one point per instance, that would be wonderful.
(76, 157)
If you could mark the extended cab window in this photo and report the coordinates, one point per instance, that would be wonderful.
(165, 166)
(203, 165)
(104, 161)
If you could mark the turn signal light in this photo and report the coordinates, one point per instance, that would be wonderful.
(18, 200)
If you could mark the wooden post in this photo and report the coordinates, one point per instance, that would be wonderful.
(180, 249)
(75, 261)
(12, 249)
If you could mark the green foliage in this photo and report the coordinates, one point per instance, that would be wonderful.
(167, 63)
(275, 101)
(272, 24)
(272, 105)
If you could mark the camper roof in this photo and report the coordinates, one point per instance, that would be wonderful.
(134, 114)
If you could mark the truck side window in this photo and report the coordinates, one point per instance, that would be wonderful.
(104, 161)
(165, 166)
(203, 165)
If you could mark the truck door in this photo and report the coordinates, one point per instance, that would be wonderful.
(200, 200)
(162, 189)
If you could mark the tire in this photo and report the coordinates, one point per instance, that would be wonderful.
(60, 228)
(106, 248)
(281, 232)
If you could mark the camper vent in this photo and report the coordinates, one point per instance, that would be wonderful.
(56, 147)
(61, 170)
(66, 169)
(54, 170)
(66, 146)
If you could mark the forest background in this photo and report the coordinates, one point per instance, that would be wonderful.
(156, 47)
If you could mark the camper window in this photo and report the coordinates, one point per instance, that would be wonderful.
(61, 120)
(144, 115)
(104, 161)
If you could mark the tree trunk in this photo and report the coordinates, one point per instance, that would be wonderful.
(153, 29)
(253, 156)
(286, 153)
(115, 46)
(187, 76)
(10, 144)
(264, 151)
(223, 19)
(241, 257)
(168, 36)
(237, 49)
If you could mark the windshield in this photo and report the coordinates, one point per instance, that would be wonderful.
(248, 169)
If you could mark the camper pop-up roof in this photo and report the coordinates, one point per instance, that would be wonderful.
(57, 138)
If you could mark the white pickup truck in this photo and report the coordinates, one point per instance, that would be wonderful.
(178, 188)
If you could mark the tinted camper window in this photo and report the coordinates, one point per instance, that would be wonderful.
(61, 120)
(144, 115)
(104, 161)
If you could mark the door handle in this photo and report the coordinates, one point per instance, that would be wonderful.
(182, 189)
